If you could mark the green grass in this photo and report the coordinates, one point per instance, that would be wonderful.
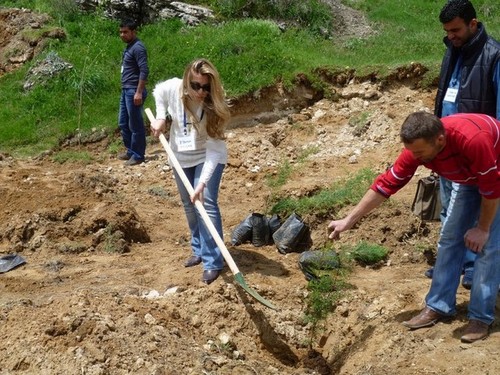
(324, 294)
(342, 193)
(367, 253)
(249, 53)
(64, 156)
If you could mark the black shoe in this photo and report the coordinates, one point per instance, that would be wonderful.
(193, 261)
(467, 279)
(123, 156)
(134, 161)
(209, 276)
(429, 272)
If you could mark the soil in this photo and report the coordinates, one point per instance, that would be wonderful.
(104, 289)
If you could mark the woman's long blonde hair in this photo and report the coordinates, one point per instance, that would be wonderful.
(216, 108)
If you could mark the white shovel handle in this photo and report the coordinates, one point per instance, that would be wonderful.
(201, 209)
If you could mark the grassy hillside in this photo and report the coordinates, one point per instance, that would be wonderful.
(250, 53)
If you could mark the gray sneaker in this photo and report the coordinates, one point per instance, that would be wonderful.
(133, 161)
(123, 156)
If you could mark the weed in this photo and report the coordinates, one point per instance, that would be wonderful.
(113, 240)
(286, 169)
(360, 123)
(72, 248)
(115, 146)
(284, 172)
(306, 152)
(158, 191)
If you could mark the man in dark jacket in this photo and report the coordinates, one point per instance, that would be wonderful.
(134, 74)
(469, 83)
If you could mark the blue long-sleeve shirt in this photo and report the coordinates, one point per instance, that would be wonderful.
(134, 64)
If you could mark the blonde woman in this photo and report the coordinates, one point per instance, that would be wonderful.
(196, 111)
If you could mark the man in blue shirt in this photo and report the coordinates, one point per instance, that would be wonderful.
(469, 83)
(134, 74)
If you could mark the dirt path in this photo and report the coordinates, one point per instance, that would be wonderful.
(104, 290)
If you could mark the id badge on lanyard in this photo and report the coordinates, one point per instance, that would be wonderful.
(187, 140)
(451, 95)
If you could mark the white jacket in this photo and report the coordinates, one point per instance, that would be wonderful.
(207, 150)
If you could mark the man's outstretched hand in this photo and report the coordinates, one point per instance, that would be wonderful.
(336, 227)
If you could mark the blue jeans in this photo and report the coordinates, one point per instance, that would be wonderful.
(202, 242)
(461, 215)
(446, 187)
(131, 124)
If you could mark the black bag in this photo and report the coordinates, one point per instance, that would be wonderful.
(257, 229)
(312, 262)
(426, 203)
(293, 236)
(261, 234)
(243, 232)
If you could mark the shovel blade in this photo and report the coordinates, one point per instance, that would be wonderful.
(238, 277)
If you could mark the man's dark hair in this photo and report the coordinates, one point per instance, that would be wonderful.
(130, 23)
(421, 125)
(457, 8)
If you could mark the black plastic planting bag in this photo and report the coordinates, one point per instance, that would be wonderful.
(261, 233)
(243, 232)
(313, 263)
(426, 203)
(255, 228)
(293, 236)
(274, 223)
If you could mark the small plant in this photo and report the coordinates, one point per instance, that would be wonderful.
(368, 253)
(306, 152)
(115, 146)
(323, 297)
(72, 248)
(113, 240)
(360, 123)
(158, 191)
(223, 345)
(284, 173)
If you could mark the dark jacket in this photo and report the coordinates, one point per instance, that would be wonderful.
(479, 59)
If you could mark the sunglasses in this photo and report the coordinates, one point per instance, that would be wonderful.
(196, 86)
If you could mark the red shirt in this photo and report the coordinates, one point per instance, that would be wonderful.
(470, 157)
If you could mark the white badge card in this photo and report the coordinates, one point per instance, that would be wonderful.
(186, 142)
(451, 95)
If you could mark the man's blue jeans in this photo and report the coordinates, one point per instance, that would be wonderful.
(462, 214)
(445, 189)
(202, 242)
(131, 124)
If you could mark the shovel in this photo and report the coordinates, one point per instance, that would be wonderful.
(238, 276)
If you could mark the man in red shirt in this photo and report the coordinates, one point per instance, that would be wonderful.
(464, 148)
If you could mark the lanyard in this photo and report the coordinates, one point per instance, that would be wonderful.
(455, 78)
(185, 127)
